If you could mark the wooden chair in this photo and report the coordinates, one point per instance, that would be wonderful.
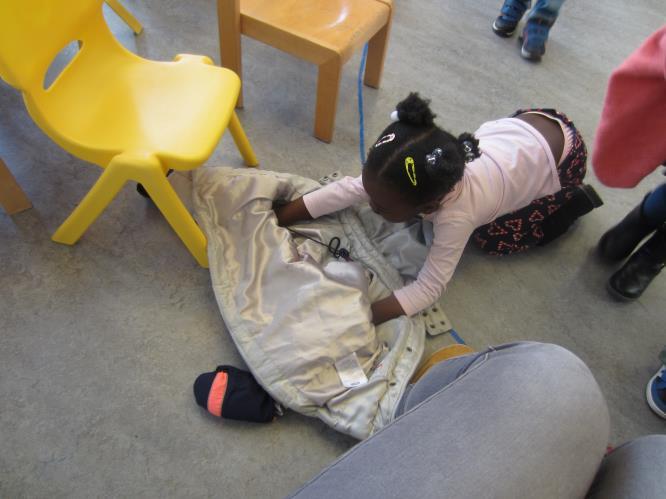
(323, 32)
(12, 197)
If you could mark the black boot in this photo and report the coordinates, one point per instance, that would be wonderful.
(637, 273)
(583, 201)
(618, 243)
(142, 190)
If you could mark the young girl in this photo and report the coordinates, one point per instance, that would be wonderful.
(533, 162)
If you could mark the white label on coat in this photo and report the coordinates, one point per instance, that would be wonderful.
(350, 371)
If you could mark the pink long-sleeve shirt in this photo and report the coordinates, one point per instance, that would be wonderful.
(516, 166)
(631, 138)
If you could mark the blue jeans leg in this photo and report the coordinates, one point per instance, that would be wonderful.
(634, 470)
(518, 420)
(545, 11)
(654, 207)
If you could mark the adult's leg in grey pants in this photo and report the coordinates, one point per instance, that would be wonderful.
(519, 420)
(635, 470)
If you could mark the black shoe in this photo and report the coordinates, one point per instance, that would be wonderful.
(142, 190)
(636, 274)
(583, 201)
(510, 15)
(618, 243)
(533, 40)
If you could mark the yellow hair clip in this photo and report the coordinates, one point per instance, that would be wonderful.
(410, 168)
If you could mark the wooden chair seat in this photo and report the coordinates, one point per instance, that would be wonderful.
(314, 31)
(323, 32)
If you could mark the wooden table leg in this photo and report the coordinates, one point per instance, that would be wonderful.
(12, 197)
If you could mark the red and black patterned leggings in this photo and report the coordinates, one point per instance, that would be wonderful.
(521, 229)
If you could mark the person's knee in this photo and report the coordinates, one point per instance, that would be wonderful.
(558, 379)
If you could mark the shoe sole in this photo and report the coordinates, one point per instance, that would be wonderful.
(529, 55)
(604, 258)
(502, 33)
(617, 295)
(592, 195)
(648, 395)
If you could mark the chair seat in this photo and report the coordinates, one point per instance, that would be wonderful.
(328, 27)
(176, 111)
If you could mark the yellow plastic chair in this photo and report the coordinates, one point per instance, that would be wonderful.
(323, 32)
(126, 16)
(133, 117)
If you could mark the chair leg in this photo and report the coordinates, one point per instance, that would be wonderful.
(91, 206)
(12, 197)
(177, 215)
(328, 86)
(126, 16)
(148, 172)
(229, 32)
(374, 64)
(241, 141)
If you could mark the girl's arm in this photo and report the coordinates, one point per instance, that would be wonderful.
(333, 197)
(292, 212)
(451, 235)
(386, 309)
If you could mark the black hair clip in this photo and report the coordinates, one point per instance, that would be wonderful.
(434, 157)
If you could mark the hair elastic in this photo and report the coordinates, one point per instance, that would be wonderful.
(410, 168)
(433, 158)
(394, 116)
(468, 147)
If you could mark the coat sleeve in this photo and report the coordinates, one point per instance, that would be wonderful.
(335, 197)
(631, 138)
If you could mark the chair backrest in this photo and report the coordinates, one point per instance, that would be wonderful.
(33, 32)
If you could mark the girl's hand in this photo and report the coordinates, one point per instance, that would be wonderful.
(293, 211)
(386, 309)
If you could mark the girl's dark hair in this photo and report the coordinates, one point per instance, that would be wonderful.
(416, 157)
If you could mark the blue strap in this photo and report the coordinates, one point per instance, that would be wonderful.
(457, 337)
(361, 126)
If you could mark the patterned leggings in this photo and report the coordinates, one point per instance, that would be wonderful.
(521, 229)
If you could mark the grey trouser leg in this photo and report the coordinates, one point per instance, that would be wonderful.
(520, 420)
(635, 470)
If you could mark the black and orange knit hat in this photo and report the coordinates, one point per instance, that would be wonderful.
(232, 393)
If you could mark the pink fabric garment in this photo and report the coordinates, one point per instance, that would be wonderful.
(516, 166)
(631, 138)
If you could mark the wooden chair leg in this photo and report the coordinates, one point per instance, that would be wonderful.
(374, 64)
(328, 86)
(229, 29)
(241, 141)
(126, 16)
(12, 197)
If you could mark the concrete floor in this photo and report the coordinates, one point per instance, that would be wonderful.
(100, 342)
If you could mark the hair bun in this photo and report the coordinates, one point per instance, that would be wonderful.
(469, 146)
(415, 111)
